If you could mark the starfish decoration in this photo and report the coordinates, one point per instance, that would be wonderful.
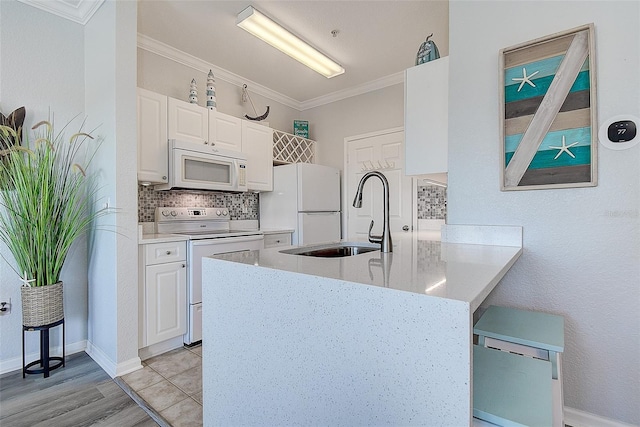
(525, 79)
(564, 148)
(26, 281)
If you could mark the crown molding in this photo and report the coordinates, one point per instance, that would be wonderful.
(371, 86)
(80, 12)
(170, 52)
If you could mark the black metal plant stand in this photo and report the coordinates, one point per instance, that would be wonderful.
(46, 362)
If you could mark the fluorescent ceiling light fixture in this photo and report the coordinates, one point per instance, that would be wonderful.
(269, 31)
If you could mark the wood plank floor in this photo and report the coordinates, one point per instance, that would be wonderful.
(80, 394)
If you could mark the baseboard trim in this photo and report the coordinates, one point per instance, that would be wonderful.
(112, 369)
(577, 418)
(160, 348)
(15, 364)
(128, 366)
(101, 359)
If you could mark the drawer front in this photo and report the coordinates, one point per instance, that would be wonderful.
(279, 239)
(157, 253)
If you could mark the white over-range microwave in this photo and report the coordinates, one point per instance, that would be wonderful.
(202, 166)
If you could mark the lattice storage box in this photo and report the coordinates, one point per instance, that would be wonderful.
(288, 148)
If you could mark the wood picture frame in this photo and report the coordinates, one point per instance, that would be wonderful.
(548, 120)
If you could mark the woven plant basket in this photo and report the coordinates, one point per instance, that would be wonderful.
(42, 305)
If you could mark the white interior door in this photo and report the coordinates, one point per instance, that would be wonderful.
(383, 152)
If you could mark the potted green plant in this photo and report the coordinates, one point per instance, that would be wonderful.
(46, 203)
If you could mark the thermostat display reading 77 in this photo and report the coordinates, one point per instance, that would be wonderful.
(622, 131)
(619, 132)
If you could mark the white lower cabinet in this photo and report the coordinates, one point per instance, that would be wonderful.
(163, 292)
(277, 239)
(166, 301)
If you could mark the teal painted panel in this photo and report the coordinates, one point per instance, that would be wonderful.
(533, 328)
(581, 135)
(511, 390)
(545, 67)
(546, 159)
(542, 86)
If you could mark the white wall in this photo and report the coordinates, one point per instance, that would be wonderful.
(41, 64)
(110, 40)
(332, 123)
(581, 246)
(171, 78)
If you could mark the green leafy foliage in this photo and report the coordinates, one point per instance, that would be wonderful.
(47, 199)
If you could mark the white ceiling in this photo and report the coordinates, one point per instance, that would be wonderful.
(79, 11)
(376, 39)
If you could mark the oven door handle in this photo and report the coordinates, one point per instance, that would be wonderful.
(226, 240)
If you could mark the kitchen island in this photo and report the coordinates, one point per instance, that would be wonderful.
(369, 339)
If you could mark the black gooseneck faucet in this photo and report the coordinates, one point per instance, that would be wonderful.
(385, 239)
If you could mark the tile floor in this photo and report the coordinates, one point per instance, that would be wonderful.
(171, 385)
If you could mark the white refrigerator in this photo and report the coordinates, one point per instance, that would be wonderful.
(305, 198)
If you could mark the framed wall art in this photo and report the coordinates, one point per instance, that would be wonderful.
(548, 120)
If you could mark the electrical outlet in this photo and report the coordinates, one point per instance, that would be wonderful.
(5, 307)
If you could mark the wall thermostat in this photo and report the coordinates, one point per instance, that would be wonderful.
(619, 132)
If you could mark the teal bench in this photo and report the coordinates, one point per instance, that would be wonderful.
(528, 335)
(511, 390)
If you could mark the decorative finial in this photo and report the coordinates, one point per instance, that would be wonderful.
(211, 91)
(193, 92)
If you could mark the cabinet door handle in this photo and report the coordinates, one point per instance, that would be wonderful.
(184, 265)
(168, 252)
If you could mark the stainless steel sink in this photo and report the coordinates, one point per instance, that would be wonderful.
(334, 250)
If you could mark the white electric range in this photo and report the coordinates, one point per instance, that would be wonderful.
(209, 233)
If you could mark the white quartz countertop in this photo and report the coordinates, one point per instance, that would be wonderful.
(160, 238)
(418, 264)
(266, 231)
(146, 238)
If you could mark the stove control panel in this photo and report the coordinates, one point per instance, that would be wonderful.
(192, 214)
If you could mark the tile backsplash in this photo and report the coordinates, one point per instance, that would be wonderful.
(240, 205)
(432, 202)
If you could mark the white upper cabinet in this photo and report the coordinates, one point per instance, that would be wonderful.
(161, 118)
(152, 137)
(257, 145)
(187, 122)
(225, 130)
(426, 96)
